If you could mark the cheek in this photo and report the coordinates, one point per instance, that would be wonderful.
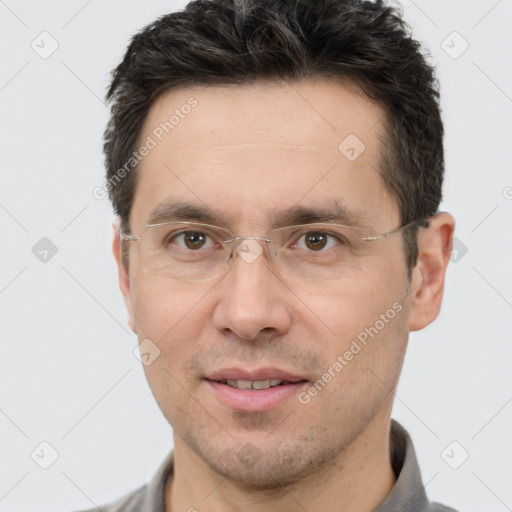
(364, 361)
(356, 300)
(365, 319)
(173, 318)
(163, 310)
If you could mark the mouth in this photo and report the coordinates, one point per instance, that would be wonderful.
(258, 391)
(258, 384)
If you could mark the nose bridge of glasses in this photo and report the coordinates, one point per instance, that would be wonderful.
(249, 248)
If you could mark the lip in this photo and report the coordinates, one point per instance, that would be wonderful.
(256, 374)
(255, 400)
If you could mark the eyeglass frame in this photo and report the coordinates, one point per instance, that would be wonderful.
(125, 236)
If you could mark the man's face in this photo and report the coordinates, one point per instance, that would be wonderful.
(246, 154)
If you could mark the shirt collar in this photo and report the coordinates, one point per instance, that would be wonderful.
(408, 493)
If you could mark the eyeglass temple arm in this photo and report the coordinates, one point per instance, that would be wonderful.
(424, 222)
(127, 237)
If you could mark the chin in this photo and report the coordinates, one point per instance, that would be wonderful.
(267, 464)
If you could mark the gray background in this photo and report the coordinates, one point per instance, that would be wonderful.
(68, 375)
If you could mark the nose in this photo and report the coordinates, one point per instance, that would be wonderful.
(253, 299)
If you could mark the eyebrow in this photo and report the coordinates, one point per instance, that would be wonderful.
(173, 210)
(335, 212)
(176, 210)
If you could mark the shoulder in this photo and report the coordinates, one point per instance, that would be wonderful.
(130, 502)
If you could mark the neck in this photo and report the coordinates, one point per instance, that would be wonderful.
(359, 479)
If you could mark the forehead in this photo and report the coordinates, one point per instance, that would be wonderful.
(240, 150)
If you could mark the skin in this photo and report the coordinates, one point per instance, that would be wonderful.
(244, 152)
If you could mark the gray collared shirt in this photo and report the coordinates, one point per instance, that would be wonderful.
(408, 493)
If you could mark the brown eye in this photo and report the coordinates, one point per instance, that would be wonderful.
(194, 239)
(316, 240)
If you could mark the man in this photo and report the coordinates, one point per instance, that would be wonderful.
(276, 168)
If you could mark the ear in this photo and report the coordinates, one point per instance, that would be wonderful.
(123, 273)
(434, 251)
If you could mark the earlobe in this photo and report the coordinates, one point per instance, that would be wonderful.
(123, 273)
(434, 250)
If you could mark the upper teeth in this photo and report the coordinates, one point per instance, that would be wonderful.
(253, 384)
